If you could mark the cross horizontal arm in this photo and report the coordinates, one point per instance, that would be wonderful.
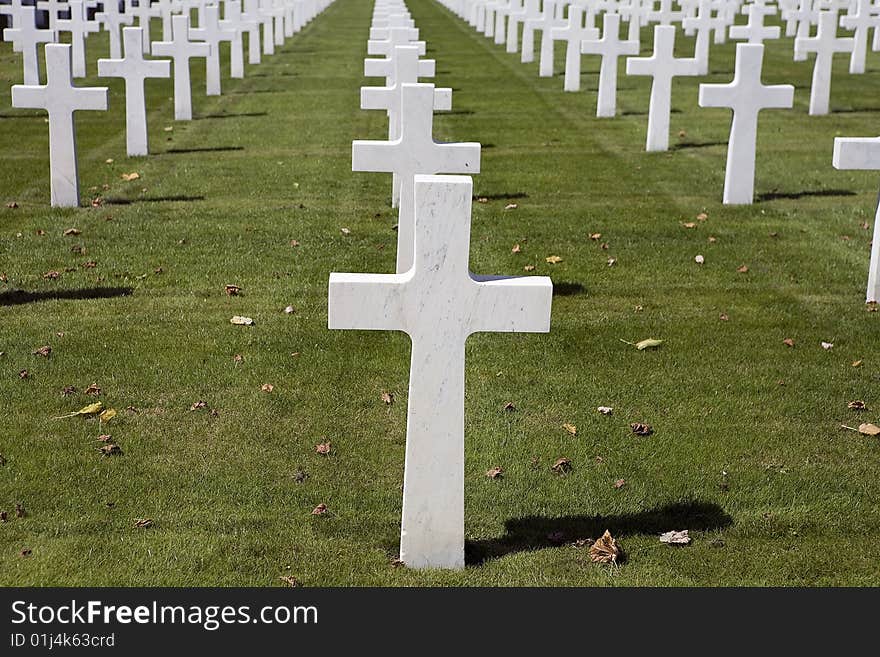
(367, 301)
(375, 47)
(513, 304)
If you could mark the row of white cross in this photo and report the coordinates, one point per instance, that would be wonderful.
(432, 297)
(60, 98)
(746, 95)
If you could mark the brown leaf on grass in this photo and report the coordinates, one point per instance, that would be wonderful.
(241, 321)
(12, 205)
(294, 243)
(232, 290)
(605, 549)
(872, 306)
(397, 563)
(553, 259)
(345, 231)
(110, 449)
(641, 429)
(620, 483)
(857, 405)
(19, 511)
(197, 405)
(4, 516)
(25, 552)
(509, 407)
(128, 177)
(91, 264)
(723, 317)
(675, 537)
(827, 345)
(510, 206)
(712, 239)
(742, 269)
(495, 473)
(605, 410)
(788, 342)
(323, 448)
(388, 397)
(267, 387)
(561, 465)
(105, 438)
(52, 275)
(319, 510)
(529, 268)
(289, 310)
(856, 363)
(107, 415)
(612, 262)
(595, 236)
(689, 224)
(482, 199)
(868, 429)
(143, 523)
(23, 374)
(570, 428)
(72, 231)
(702, 216)
(290, 580)
(300, 476)
(516, 249)
(237, 358)
(44, 351)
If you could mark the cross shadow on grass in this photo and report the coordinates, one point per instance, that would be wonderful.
(153, 199)
(19, 297)
(201, 149)
(504, 196)
(567, 289)
(229, 116)
(772, 196)
(693, 144)
(537, 533)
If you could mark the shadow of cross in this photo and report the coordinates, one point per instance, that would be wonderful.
(413, 152)
(438, 303)
(61, 99)
(863, 153)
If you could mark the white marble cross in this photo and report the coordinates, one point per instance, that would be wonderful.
(573, 33)
(746, 96)
(755, 31)
(609, 47)
(134, 69)
(438, 303)
(213, 34)
(863, 153)
(251, 18)
(234, 23)
(112, 20)
(384, 33)
(267, 11)
(181, 50)
(545, 24)
(79, 28)
(144, 13)
(25, 38)
(386, 67)
(61, 99)
(413, 152)
(530, 10)
(662, 66)
(53, 8)
(703, 24)
(398, 36)
(665, 15)
(824, 44)
(167, 9)
(864, 18)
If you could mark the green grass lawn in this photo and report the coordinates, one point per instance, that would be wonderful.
(231, 492)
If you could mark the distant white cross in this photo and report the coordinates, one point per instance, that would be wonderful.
(609, 47)
(662, 66)
(755, 31)
(267, 10)
(665, 15)
(181, 50)
(824, 44)
(252, 18)
(53, 8)
(438, 303)
(413, 152)
(213, 34)
(233, 23)
(864, 18)
(167, 9)
(746, 96)
(134, 69)
(529, 10)
(545, 23)
(61, 99)
(144, 13)
(112, 20)
(25, 38)
(702, 23)
(863, 153)
(398, 36)
(386, 67)
(573, 33)
(79, 28)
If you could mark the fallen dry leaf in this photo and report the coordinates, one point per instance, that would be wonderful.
(107, 415)
(553, 260)
(197, 405)
(290, 580)
(267, 387)
(699, 259)
(19, 511)
(605, 549)
(52, 275)
(4, 516)
(12, 205)
(857, 405)
(742, 269)
(641, 345)
(612, 262)
(319, 510)
(712, 239)
(289, 310)
(641, 429)
(128, 177)
(529, 268)
(482, 199)
(620, 483)
(23, 374)
(723, 317)
(570, 428)
(869, 429)
(72, 231)
(388, 397)
(323, 448)
(345, 231)
(516, 249)
(294, 243)
(510, 206)
(232, 290)
(91, 409)
(827, 345)
(25, 552)
(857, 363)
(93, 389)
(595, 236)
(241, 321)
(702, 216)
(237, 358)
(605, 410)
(495, 473)
(44, 351)
(509, 407)
(788, 342)
(690, 224)
(105, 438)
(676, 537)
(561, 465)
(110, 449)
(143, 523)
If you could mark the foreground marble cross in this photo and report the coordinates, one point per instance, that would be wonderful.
(413, 152)
(662, 66)
(438, 303)
(25, 37)
(61, 99)
(181, 49)
(824, 44)
(610, 47)
(746, 96)
(134, 69)
(863, 153)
